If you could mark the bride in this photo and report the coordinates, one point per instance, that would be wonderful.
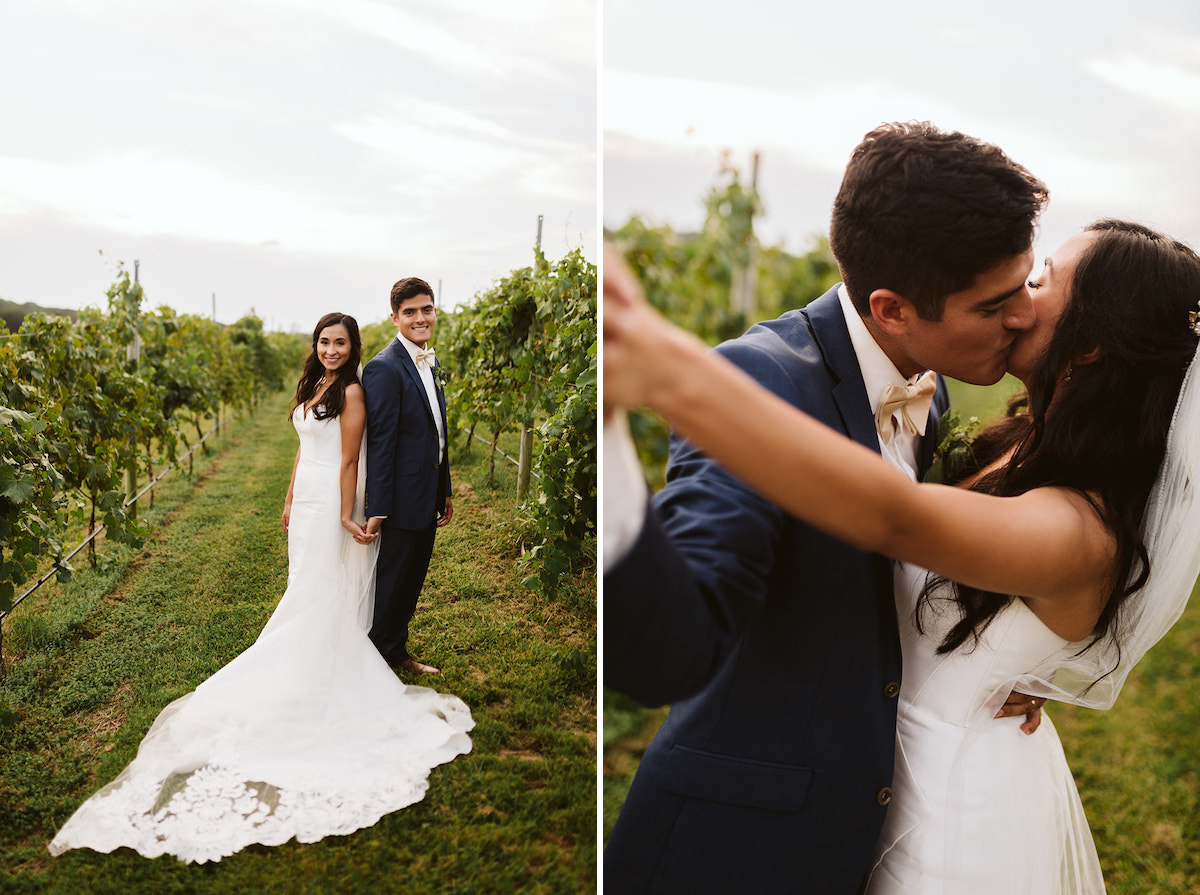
(1062, 557)
(308, 733)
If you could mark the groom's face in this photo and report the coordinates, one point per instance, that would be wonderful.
(415, 318)
(972, 339)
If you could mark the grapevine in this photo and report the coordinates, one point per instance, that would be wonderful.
(525, 352)
(78, 408)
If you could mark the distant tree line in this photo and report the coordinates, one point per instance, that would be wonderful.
(12, 313)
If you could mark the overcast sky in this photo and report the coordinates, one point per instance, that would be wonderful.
(1100, 99)
(294, 156)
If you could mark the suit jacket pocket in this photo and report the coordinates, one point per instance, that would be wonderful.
(408, 467)
(735, 781)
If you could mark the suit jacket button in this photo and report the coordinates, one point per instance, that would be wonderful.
(892, 690)
(884, 795)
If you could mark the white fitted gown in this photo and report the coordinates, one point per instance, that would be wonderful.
(306, 734)
(978, 807)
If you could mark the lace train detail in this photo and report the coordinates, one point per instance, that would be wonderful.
(219, 808)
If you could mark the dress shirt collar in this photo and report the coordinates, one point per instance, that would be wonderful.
(878, 371)
(411, 347)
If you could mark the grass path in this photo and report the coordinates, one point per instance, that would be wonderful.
(92, 663)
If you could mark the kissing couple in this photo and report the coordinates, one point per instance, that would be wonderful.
(848, 652)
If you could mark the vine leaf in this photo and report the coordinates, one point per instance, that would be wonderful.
(19, 491)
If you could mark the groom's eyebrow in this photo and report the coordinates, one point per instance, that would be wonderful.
(985, 303)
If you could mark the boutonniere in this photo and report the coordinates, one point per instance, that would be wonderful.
(440, 376)
(954, 448)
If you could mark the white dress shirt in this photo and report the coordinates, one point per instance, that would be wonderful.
(878, 372)
(426, 374)
(625, 493)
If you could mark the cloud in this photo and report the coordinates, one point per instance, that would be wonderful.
(1161, 82)
(466, 38)
(229, 144)
(441, 151)
(143, 193)
(817, 124)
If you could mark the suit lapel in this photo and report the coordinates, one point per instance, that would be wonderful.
(928, 444)
(410, 367)
(849, 393)
(440, 392)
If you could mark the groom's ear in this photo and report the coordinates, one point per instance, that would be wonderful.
(891, 311)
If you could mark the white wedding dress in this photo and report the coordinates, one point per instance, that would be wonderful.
(306, 734)
(978, 807)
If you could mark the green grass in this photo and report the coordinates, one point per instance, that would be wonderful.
(94, 661)
(1137, 766)
(984, 401)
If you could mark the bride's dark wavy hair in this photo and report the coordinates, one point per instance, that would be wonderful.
(334, 399)
(1102, 430)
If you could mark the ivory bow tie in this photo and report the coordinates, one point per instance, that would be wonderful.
(425, 358)
(910, 402)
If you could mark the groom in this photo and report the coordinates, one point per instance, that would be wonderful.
(408, 474)
(778, 645)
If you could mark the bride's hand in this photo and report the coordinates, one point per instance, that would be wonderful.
(643, 353)
(360, 533)
(1020, 704)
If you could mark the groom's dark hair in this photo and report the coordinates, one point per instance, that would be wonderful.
(409, 287)
(923, 212)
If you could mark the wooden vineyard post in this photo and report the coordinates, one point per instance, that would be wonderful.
(743, 285)
(525, 458)
(133, 354)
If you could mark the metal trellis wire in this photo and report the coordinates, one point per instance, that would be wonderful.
(502, 454)
(95, 534)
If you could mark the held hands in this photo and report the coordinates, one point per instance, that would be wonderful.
(362, 533)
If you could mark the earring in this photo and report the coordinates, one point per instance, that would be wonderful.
(1067, 378)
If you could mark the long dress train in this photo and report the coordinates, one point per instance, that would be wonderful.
(306, 734)
(978, 807)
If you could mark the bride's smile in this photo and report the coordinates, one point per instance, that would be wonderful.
(333, 347)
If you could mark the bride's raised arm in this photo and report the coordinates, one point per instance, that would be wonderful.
(1047, 545)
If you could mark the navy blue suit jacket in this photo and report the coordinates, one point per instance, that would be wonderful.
(779, 648)
(407, 479)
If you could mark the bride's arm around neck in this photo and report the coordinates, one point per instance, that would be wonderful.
(1048, 545)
